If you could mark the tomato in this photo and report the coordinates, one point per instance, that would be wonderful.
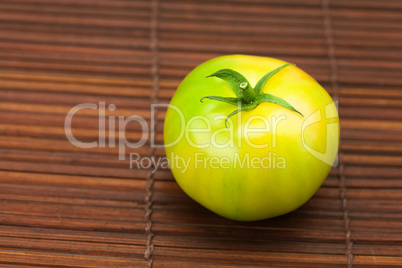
(250, 137)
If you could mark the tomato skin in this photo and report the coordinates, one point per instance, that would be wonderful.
(251, 192)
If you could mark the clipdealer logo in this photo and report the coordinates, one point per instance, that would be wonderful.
(148, 134)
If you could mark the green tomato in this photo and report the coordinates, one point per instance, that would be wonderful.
(260, 142)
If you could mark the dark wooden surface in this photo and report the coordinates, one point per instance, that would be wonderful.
(63, 206)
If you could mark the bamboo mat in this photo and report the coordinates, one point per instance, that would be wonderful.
(64, 206)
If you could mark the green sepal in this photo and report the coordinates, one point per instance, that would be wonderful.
(234, 79)
(261, 83)
(272, 99)
(233, 101)
(233, 113)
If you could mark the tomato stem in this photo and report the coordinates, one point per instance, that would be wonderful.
(248, 97)
(247, 92)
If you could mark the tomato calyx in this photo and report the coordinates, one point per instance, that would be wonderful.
(247, 97)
